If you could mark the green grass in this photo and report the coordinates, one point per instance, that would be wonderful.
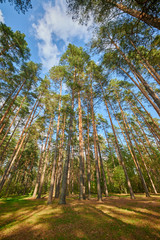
(116, 218)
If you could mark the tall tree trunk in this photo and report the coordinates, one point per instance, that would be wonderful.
(88, 155)
(108, 145)
(60, 158)
(38, 174)
(95, 146)
(50, 197)
(102, 167)
(81, 155)
(63, 191)
(72, 174)
(45, 157)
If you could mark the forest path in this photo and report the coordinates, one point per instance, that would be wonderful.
(117, 217)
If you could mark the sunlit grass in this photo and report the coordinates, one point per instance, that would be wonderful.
(117, 217)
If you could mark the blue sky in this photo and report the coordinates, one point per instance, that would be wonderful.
(48, 29)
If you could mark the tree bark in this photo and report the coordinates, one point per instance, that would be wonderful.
(81, 155)
(146, 112)
(59, 168)
(88, 155)
(62, 199)
(118, 148)
(147, 65)
(45, 157)
(12, 122)
(38, 174)
(148, 19)
(143, 92)
(134, 71)
(126, 126)
(18, 147)
(5, 114)
(95, 146)
(7, 144)
(102, 168)
(50, 197)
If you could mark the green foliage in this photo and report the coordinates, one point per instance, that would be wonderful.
(20, 6)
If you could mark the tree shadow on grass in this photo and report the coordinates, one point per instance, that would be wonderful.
(80, 221)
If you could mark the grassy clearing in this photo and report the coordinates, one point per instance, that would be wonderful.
(117, 217)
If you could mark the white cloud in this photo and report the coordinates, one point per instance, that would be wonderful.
(55, 26)
(1, 17)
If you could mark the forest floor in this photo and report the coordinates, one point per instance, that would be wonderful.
(116, 218)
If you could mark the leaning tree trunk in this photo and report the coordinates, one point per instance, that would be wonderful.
(143, 92)
(145, 17)
(18, 147)
(126, 125)
(8, 117)
(147, 65)
(10, 95)
(134, 71)
(150, 128)
(12, 122)
(7, 144)
(118, 148)
(144, 163)
(158, 129)
(144, 135)
(5, 114)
